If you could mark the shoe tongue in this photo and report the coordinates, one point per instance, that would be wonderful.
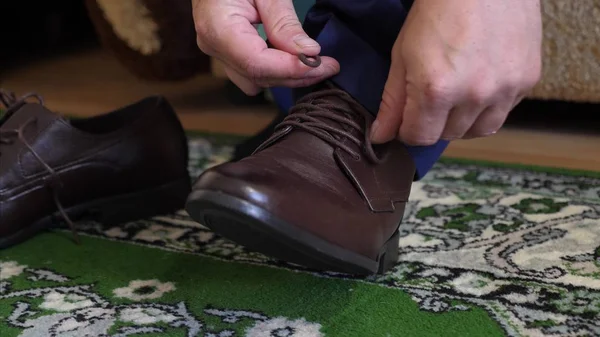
(28, 111)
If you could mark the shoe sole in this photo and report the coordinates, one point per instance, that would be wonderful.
(259, 230)
(164, 199)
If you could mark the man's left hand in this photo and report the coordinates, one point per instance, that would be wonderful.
(458, 68)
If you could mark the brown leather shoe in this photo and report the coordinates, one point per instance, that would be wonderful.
(125, 165)
(317, 193)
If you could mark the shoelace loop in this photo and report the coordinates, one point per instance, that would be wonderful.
(310, 113)
(10, 101)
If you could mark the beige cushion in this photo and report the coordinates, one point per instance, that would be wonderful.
(571, 51)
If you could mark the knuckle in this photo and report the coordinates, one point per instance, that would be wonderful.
(514, 82)
(253, 70)
(437, 89)
(521, 81)
(204, 36)
(202, 27)
(480, 94)
(287, 23)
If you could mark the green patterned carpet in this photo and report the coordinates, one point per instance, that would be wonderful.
(485, 251)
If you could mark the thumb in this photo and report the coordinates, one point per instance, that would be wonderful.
(388, 121)
(284, 29)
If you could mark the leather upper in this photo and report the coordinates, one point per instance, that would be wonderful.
(321, 188)
(134, 148)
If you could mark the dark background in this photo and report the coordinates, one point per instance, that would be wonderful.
(33, 29)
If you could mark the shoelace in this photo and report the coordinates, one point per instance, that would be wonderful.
(310, 111)
(11, 102)
(7, 98)
(7, 137)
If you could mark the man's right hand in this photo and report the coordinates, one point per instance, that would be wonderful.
(225, 30)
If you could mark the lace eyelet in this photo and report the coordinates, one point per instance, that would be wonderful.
(357, 157)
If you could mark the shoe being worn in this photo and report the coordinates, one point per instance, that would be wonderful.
(317, 193)
(113, 168)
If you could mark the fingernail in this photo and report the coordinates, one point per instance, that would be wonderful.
(324, 72)
(374, 129)
(304, 41)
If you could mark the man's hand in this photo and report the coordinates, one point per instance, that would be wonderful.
(225, 29)
(458, 68)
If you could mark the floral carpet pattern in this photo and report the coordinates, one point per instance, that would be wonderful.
(522, 246)
(78, 311)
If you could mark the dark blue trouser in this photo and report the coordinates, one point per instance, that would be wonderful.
(360, 34)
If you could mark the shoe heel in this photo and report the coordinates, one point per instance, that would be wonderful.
(165, 199)
(389, 256)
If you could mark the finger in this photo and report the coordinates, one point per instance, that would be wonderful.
(252, 89)
(284, 29)
(460, 120)
(489, 122)
(268, 75)
(290, 83)
(424, 117)
(245, 85)
(387, 124)
(249, 55)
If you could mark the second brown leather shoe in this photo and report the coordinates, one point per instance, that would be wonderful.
(316, 193)
(117, 167)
